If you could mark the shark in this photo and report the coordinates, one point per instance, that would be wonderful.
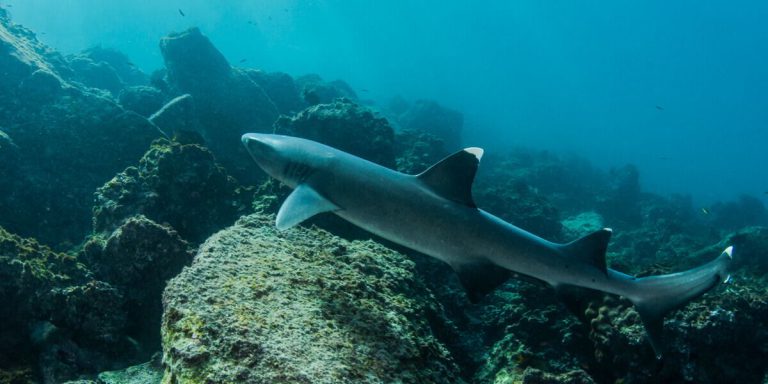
(434, 213)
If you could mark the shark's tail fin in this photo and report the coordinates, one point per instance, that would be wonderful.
(655, 296)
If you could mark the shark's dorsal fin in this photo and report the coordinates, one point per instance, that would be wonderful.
(591, 248)
(480, 278)
(452, 177)
(303, 203)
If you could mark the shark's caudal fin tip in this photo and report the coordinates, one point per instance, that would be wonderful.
(674, 291)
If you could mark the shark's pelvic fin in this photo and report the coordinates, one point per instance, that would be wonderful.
(591, 248)
(480, 278)
(452, 177)
(303, 203)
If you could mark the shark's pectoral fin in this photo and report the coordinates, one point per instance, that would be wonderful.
(590, 248)
(480, 278)
(303, 203)
(453, 176)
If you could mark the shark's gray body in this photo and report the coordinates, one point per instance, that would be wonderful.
(434, 213)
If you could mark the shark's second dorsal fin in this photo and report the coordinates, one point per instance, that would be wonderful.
(452, 177)
(591, 248)
(303, 203)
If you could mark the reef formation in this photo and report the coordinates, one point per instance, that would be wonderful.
(137, 242)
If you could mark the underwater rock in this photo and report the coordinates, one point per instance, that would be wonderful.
(105, 69)
(536, 376)
(314, 90)
(177, 117)
(178, 184)
(228, 102)
(69, 141)
(21, 54)
(94, 74)
(148, 373)
(751, 247)
(744, 212)
(732, 320)
(416, 151)
(346, 126)
(260, 305)
(580, 225)
(138, 258)
(281, 88)
(141, 99)
(429, 116)
(519, 204)
(40, 87)
(55, 315)
(128, 73)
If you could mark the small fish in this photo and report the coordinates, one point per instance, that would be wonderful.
(243, 60)
(363, 90)
(705, 211)
(132, 65)
(181, 13)
(659, 107)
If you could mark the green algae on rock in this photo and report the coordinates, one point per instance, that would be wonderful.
(178, 184)
(263, 306)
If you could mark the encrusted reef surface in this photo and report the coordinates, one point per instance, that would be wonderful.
(112, 179)
(262, 306)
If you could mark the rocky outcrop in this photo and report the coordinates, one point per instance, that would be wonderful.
(314, 90)
(346, 126)
(67, 141)
(282, 89)
(177, 117)
(417, 151)
(138, 258)
(228, 102)
(56, 316)
(178, 184)
(430, 117)
(105, 69)
(259, 306)
(141, 99)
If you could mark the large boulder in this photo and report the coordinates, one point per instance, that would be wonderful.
(228, 101)
(347, 126)
(138, 258)
(262, 306)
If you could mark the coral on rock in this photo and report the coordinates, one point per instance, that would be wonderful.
(260, 306)
(178, 184)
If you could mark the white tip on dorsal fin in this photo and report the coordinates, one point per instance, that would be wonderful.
(452, 177)
(478, 152)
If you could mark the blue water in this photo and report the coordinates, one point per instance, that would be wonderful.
(678, 88)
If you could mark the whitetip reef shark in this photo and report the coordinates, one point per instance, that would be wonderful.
(434, 213)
